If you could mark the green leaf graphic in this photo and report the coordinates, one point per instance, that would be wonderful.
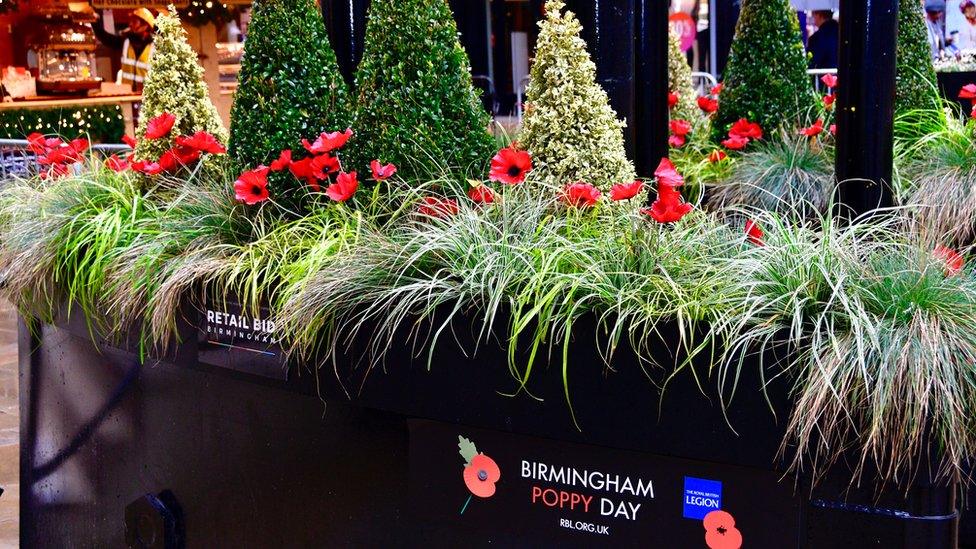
(467, 449)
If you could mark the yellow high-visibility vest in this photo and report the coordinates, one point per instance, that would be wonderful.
(134, 67)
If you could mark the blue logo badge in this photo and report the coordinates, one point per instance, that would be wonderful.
(702, 496)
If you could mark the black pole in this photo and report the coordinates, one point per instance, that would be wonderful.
(346, 22)
(608, 28)
(865, 104)
(651, 84)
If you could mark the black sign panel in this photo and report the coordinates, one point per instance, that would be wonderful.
(230, 336)
(485, 487)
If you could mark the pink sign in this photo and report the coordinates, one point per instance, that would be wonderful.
(684, 26)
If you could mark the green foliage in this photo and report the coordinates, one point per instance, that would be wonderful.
(765, 79)
(101, 124)
(174, 84)
(915, 86)
(569, 128)
(417, 105)
(289, 89)
(680, 82)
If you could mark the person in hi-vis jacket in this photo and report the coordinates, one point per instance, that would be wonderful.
(135, 43)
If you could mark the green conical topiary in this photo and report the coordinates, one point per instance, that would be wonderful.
(766, 77)
(417, 105)
(174, 84)
(290, 89)
(680, 82)
(569, 128)
(915, 86)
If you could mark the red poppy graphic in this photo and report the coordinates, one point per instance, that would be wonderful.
(720, 531)
(160, 126)
(829, 80)
(481, 194)
(735, 143)
(676, 141)
(744, 128)
(344, 187)
(680, 127)
(252, 186)
(130, 141)
(510, 166)
(968, 92)
(203, 142)
(814, 130)
(829, 99)
(672, 99)
(954, 262)
(717, 89)
(480, 473)
(717, 156)
(441, 208)
(666, 174)
(283, 161)
(626, 191)
(754, 233)
(382, 172)
(116, 164)
(707, 104)
(581, 195)
(328, 142)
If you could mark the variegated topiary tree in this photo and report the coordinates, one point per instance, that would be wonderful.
(680, 82)
(570, 129)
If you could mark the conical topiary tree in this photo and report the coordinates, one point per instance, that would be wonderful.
(417, 107)
(174, 84)
(680, 82)
(766, 77)
(915, 86)
(289, 89)
(569, 128)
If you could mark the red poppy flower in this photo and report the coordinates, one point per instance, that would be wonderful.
(323, 165)
(968, 92)
(833, 129)
(481, 475)
(79, 145)
(116, 164)
(735, 143)
(54, 172)
(676, 141)
(829, 80)
(170, 160)
(344, 188)
(953, 260)
(665, 173)
(707, 104)
(717, 89)
(381, 172)
(814, 130)
(38, 144)
(754, 233)
(510, 166)
(626, 191)
(160, 126)
(252, 186)
(328, 142)
(829, 99)
(282, 162)
(302, 169)
(130, 141)
(672, 99)
(432, 206)
(481, 194)
(203, 142)
(717, 156)
(669, 206)
(680, 127)
(744, 128)
(581, 195)
(147, 168)
(720, 531)
(972, 114)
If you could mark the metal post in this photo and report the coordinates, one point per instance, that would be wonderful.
(651, 84)
(346, 22)
(865, 104)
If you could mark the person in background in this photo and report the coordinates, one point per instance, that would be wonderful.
(933, 23)
(135, 43)
(824, 43)
(966, 39)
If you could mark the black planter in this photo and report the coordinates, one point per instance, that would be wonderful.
(221, 446)
(951, 82)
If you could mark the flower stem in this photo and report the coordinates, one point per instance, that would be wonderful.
(466, 504)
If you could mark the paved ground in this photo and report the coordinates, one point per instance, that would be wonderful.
(9, 428)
